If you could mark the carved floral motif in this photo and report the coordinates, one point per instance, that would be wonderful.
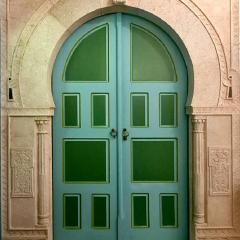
(22, 172)
(219, 171)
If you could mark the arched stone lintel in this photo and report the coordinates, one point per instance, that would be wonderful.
(58, 23)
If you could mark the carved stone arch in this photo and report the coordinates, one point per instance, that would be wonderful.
(52, 24)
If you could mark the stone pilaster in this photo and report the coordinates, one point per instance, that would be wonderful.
(198, 123)
(43, 212)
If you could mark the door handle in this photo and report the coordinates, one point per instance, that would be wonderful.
(125, 134)
(113, 132)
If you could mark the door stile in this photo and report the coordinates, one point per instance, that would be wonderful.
(120, 217)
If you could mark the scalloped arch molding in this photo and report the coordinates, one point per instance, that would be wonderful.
(54, 21)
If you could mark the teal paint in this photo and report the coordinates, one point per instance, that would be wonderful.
(119, 89)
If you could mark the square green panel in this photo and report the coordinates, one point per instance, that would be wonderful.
(86, 160)
(139, 110)
(168, 109)
(169, 210)
(71, 109)
(140, 210)
(100, 108)
(72, 211)
(154, 160)
(100, 211)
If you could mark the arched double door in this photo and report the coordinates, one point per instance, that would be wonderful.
(120, 133)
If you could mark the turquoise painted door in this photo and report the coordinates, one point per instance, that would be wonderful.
(120, 133)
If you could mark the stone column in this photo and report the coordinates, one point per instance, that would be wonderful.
(43, 213)
(198, 123)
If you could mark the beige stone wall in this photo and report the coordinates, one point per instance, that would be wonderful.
(32, 32)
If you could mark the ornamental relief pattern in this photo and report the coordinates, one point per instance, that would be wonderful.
(219, 171)
(22, 173)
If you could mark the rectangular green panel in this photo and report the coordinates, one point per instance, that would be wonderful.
(168, 109)
(100, 113)
(86, 160)
(168, 210)
(100, 210)
(139, 110)
(140, 210)
(154, 160)
(72, 211)
(71, 110)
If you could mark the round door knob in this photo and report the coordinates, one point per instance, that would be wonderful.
(113, 132)
(125, 134)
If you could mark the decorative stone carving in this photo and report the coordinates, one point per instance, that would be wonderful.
(43, 212)
(198, 168)
(21, 173)
(225, 83)
(219, 161)
(235, 35)
(119, 1)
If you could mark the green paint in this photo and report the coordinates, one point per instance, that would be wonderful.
(139, 110)
(71, 110)
(169, 210)
(88, 60)
(150, 58)
(140, 210)
(153, 160)
(86, 161)
(168, 110)
(72, 211)
(100, 210)
(100, 110)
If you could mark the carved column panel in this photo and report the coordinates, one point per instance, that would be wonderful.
(198, 123)
(43, 212)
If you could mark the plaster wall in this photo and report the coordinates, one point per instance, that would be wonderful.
(206, 31)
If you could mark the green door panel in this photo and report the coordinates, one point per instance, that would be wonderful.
(168, 109)
(150, 58)
(139, 110)
(86, 160)
(91, 50)
(100, 211)
(140, 211)
(72, 211)
(113, 73)
(71, 110)
(168, 210)
(100, 106)
(154, 160)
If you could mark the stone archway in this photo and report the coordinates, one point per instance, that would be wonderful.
(55, 22)
(30, 111)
